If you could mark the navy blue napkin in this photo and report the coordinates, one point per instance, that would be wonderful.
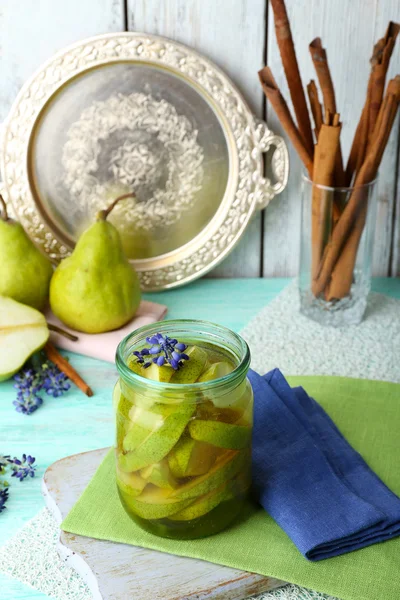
(308, 477)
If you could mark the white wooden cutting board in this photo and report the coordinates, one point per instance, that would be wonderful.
(121, 572)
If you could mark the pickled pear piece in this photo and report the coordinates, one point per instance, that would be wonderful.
(145, 446)
(159, 475)
(217, 370)
(191, 368)
(222, 435)
(226, 467)
(190, 458)
(204, 504)
(155, 503)
(130, 483)
(156, 373)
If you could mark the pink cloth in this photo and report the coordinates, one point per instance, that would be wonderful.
(104, 345)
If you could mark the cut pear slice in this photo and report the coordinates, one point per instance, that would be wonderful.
(147, 446)
(159, 475)
(191, 368)
(130, 483)
(154, 503)
(204, 504)
(23, 331)
(222, 435)
(226, 467)
(190, 458)
(217, 370)
(157, 373)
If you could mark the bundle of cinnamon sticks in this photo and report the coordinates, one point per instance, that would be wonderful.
(336, 225)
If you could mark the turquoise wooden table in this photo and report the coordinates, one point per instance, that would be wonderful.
(75, 423)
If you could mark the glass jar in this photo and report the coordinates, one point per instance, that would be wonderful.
(337, 236)
(183, 450)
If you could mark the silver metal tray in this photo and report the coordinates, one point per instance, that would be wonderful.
(134, 112)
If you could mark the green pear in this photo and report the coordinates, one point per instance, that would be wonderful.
(23, 331)
(204, 504)
(191, 368)
(25, 272)
(222, 435)
(159, 475)
(215, 371)
(145, 445)
(95, 289)
(154, 503)
(190, 458)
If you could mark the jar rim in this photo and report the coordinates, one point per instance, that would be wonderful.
(370, 184)
(141, 333)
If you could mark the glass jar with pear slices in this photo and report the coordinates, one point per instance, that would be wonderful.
(184, 414)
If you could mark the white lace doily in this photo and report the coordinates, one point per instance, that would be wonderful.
(278, 336)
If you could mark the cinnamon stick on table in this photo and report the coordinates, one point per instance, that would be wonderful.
(353, 209)
(275, 97)
(64, 366)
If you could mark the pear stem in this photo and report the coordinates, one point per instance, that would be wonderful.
(4, 213)
(66, 334)
(103, 214)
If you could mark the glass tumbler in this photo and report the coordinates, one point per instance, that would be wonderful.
(337, 236)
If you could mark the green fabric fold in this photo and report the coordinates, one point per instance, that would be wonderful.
(368, 414)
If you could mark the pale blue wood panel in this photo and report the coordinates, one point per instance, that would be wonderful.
(232, 35)
(348, 31)
(32, 31)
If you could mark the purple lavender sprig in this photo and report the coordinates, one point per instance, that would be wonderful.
(22, 468)
(55, 382)
(163, 350)
(3, 499)
(28, 382)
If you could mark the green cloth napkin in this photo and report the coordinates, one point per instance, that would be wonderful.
(368, 415)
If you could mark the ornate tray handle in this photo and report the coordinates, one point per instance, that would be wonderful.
(264, 140)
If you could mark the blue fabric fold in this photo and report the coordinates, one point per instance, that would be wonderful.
(310, 480)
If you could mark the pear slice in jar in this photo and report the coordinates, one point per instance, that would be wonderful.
(215, 371)
(204, 504)
(222, 435)
(159, 475)
(191, 369)
(144, 446)
(155, 503)
(190, 458)
(130, 483)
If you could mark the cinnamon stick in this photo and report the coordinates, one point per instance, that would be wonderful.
(320, 60)
(64, 366)
(275, 97)
(342, 274)
(291, 68)
(367, 173)
(316, 107)
(322, 199)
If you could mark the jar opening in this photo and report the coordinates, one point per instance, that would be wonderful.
(186, 331)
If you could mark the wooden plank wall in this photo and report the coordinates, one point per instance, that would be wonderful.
(239, 36)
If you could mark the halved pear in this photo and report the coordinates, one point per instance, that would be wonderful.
(222, 435)
(191, 368)
(23, 331)
(155, 503)
(190, 458)
(160, 475)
